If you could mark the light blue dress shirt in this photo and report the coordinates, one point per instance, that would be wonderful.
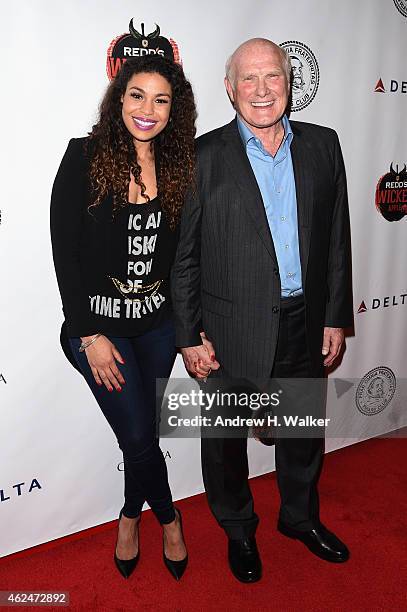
(275, 178)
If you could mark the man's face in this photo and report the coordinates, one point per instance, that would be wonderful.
(298, 80)
(259, 89)
(376, 389)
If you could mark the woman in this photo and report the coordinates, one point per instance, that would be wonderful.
(115, 207)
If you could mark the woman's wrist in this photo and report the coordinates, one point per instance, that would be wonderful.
(88, 341)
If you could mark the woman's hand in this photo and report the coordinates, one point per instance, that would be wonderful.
(102, 355)
(200, 360)
(215, 365)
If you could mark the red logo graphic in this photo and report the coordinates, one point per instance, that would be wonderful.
(362, 307)
(138, 44)
(379, 87)
(391, 194)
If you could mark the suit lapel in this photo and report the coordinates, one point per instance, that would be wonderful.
(239, 165)
(304, 170)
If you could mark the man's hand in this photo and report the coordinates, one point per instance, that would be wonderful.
(200, 360)
(333, 340)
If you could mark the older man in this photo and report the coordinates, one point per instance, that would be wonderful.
(263, 269)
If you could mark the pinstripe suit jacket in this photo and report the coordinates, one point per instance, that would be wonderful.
(225, 279)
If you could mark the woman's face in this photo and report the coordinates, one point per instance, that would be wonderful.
(146, 105)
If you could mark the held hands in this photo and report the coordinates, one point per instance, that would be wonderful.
(332, 344)
(200, 360)
(102, 356)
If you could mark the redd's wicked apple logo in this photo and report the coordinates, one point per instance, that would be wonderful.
(391, 194)
(139, 44)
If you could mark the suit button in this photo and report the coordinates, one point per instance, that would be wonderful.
(275, 309)
(275, 272)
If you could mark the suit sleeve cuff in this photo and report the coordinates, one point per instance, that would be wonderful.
(186, 338)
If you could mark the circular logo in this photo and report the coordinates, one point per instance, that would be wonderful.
(401, 6)
(305, 74)
(375, 391)
(391, 194)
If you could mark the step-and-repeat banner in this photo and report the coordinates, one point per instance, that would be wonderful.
(60, 468)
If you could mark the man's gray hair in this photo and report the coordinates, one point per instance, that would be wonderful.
(285, 58)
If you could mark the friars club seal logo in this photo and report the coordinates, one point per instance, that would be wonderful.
(138, 44)
(375, 391)
(401, 6)
(391, 194)
(305, 74)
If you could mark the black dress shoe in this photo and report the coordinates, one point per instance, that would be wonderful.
(126, 566)
(176, 568)
(319, 541)
(244, 560)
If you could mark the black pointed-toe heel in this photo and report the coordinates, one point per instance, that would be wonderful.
(127, 566)
(176, 568)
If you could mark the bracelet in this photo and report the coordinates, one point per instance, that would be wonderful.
(85, 345)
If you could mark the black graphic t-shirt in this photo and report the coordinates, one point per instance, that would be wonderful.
(130, 293)
(112, 269)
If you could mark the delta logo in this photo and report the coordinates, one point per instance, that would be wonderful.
(18, 489)
(138, 44)
(120, 466)
(383, 302)
(391, 194)
(394, 87)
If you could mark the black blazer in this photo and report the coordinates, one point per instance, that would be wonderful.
(225, 278)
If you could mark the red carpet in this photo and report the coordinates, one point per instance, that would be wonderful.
(363, 498)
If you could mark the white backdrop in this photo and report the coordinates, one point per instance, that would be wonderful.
(59, 462)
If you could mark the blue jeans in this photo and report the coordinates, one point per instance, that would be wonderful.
(132, 416)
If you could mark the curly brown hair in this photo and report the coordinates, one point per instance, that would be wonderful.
(113, 154)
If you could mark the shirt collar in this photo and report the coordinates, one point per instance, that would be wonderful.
(247, 135)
